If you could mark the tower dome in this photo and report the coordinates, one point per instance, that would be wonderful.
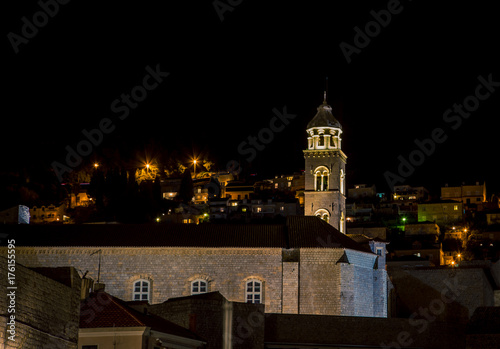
(324, 130)
(324, 118)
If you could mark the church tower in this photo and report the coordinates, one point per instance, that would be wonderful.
(325, 188)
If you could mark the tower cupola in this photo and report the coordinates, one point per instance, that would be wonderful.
(324, 131)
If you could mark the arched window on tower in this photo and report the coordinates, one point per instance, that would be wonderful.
(321, 176)
(323, 214)
(321, 141)
(332, 140)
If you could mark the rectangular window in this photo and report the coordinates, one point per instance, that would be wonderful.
(455, 207)
(253, 292)
(379, 251)
(141, 290)
(198, 286)
(89, 346)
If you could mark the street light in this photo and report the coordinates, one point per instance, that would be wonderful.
(96, 165)
(194, 164)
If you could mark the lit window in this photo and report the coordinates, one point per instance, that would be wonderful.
(254, 292)
(141, 290)
(321, 175)
(198, 287)
(275, 185)
(455, 207)
(323, 214)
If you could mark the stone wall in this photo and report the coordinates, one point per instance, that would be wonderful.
(211, 317)
(363, 289)
(170, 270)
(304, 281)
(351, 332)
(319, 281)
(451, 294)
(46, 311)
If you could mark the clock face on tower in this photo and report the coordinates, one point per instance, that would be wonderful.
(325, 162)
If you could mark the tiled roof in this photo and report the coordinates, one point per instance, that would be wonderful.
(362, 239)
(298, 232)
(212, 296)
(324, 117)
(102, 310)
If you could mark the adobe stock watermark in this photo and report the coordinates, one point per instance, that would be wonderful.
(222, 6)
(421, 319)
(30, 28)
(246, 327)
(454, 118)
(91, 306)
(372, 29)
(120, 106)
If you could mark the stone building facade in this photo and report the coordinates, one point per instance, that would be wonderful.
(325, 189)
(45, 305)
(302, 267)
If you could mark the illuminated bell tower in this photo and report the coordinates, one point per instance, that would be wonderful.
(325, 188)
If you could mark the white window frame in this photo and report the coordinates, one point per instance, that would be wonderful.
(199, 283)
(254, 292)
(141, 292)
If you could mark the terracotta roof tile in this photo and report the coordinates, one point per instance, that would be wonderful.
(101, 310)
(298, 232)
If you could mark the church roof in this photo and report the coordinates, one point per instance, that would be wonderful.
(324, 118)
(297, 232)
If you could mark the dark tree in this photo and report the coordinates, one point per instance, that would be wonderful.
(186, 191)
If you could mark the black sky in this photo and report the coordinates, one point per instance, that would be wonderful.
(227, 76)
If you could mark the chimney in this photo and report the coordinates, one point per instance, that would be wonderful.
(87, 286)
(98, 286)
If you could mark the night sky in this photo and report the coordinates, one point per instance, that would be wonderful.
(226, 77)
